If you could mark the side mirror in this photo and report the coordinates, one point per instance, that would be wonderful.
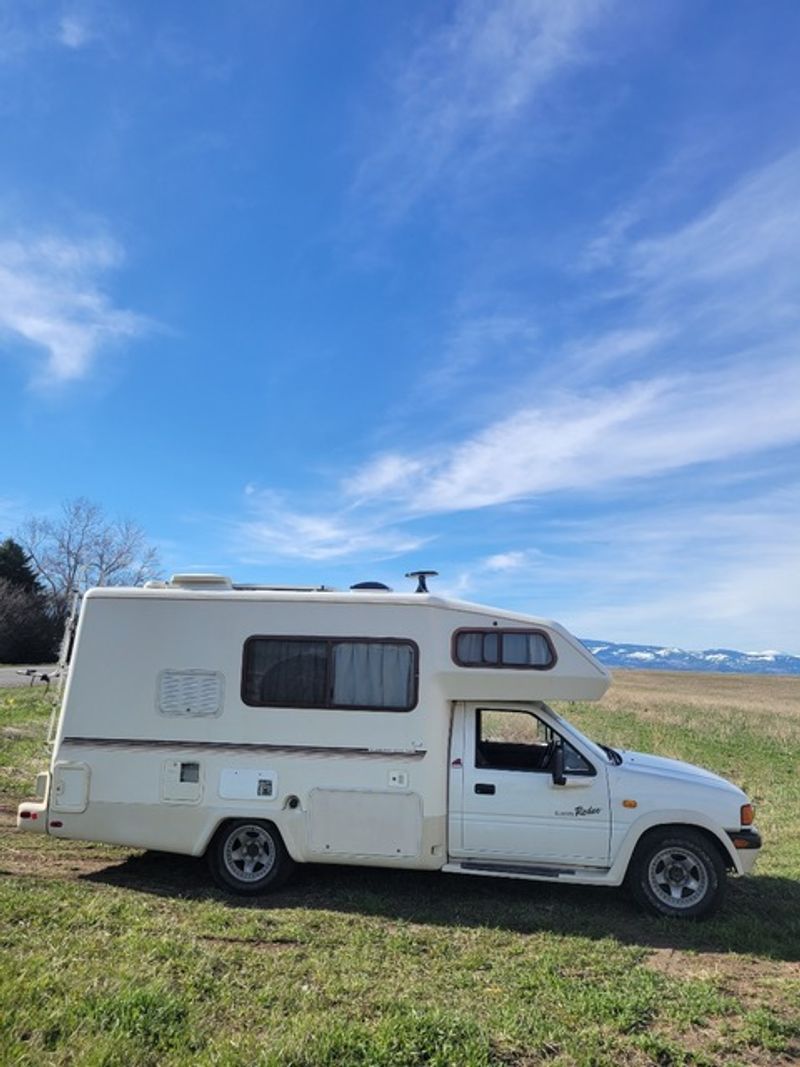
(557, 763)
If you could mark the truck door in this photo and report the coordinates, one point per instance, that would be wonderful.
(505, 805)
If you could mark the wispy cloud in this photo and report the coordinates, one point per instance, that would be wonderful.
(53, 304)
(586, 441)
(462, 91)
(725, 570)
(273, 528)
(729, 567)
(26, 29)
(75, 29)
(703, 372)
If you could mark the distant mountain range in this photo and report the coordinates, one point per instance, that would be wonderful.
(726, 660)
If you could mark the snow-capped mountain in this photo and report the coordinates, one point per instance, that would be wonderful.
(726, 660)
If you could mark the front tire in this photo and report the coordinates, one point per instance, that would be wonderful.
(678, 873)
(249, 857)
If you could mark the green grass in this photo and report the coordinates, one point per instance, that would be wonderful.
(109, 957)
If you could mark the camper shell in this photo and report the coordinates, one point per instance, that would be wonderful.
(268, 726)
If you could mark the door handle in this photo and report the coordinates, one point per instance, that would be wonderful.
(484, 787)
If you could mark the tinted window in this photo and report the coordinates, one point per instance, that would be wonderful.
(324, 672)
(529, 649)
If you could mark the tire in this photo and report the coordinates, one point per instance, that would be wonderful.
(248, 856)
(678, 873)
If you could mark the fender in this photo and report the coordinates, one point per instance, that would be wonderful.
(667, 817)
(290, 824)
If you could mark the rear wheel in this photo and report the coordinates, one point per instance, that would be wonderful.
(249, 857)
(678, 873)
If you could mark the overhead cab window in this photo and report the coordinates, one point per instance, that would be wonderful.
(327, 672)
(520, 649)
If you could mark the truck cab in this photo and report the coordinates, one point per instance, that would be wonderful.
(531, 796)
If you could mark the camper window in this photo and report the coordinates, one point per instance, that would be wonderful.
(525, 649)
(328, 672)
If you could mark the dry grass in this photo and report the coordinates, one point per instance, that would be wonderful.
(777, 695)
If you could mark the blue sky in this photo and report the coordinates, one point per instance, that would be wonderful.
(329, 291)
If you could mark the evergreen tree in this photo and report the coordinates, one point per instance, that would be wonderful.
(15, 567)
(28, 629)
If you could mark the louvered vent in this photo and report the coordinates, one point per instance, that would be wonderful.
(190, 692)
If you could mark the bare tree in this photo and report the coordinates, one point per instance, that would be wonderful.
(85, 548)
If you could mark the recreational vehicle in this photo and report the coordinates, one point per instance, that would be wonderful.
(265, 727)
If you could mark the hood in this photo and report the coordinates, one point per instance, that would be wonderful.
(672, 768)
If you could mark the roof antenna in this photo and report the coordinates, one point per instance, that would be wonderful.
(421, 576)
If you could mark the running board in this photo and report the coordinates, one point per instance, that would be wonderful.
(579, 875)
(515, 868)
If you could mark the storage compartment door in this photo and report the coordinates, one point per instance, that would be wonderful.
(70, 792)
(365, 823)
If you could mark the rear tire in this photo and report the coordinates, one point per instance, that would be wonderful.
(248, 856)
(678, 873)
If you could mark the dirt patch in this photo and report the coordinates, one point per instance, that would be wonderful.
(734, 974)
(257, 943)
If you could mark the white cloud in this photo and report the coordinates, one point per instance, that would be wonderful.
(75, 30)
(712, 573)
(602, 437)
(275, 530)
(465, 86)
(28, 29)
(52, 299)
(385, 474)
(705, 572)
(693, 382)
(508, 561)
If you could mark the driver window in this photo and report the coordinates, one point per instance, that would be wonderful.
(520, 741)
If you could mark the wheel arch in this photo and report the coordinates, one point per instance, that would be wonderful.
(723, 848)
(672, 821)
(216, 826)
(248, 856)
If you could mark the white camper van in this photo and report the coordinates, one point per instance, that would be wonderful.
(265, 727)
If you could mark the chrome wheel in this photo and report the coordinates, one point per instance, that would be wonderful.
(249, 853)
(678, 877)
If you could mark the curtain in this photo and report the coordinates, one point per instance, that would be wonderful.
(372, 674)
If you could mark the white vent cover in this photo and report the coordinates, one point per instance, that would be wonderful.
(201, 581)
(192, 692)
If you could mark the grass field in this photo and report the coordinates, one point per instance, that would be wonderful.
(118, 958)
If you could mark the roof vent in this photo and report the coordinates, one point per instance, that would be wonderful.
(422, 576)
(201, 581)
(370, 587)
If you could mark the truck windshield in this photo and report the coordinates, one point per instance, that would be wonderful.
(601, 752)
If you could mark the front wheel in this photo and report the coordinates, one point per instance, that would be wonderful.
(678, 873)
(249, 857)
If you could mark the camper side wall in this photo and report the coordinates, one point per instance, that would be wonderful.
(156, 746)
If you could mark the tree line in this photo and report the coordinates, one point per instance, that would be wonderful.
(50, 561)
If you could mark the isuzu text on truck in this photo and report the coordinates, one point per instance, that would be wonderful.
(265, 727)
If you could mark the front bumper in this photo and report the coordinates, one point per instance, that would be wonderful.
(747, 843)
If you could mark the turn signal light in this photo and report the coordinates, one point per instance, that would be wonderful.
(748, 814)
